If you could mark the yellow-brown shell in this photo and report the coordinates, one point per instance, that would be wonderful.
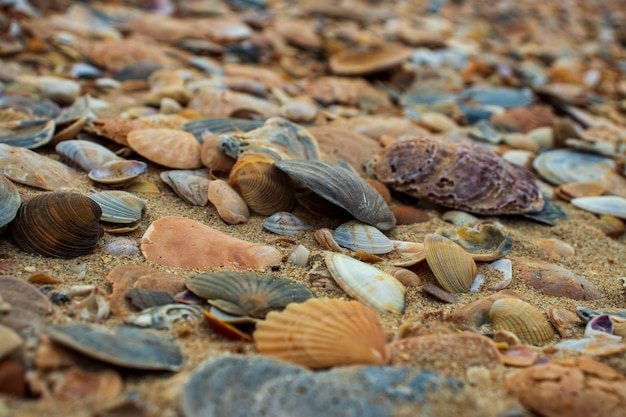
(453, 267)
(522, 319)
(265, 188)
(323, 333)
(168, 147)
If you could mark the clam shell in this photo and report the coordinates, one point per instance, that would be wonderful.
(59, 225)
(119, 206)
(611, 225)
(522, 319)
(114, 173)
(325, 239)
(247, 293)
(483, 242)
(461, 175)
(284, 223)
(84, 154)
(344, 188)
(171, 148)
(366, 283)
(191, 186)
(580, 189)
(607, 204)
(323, 333)
(562, 166)
(265, 188)
(29, 134)
(10, 201)
(453, 267)
(358, 236)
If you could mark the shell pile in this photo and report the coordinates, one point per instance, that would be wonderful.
(312, 208)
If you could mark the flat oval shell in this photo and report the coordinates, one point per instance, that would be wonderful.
(344, 188)
(229, 204)
(562, 166)
(453, 267)
(127, 347)
(366, 283)
(362, 237)
(84, 154)
(354, 62)
(607, 204)
(522, 319)
(29, 306)
(117, 172)
(171, 148)
(322, 334)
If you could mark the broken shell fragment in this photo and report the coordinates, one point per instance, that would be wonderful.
(453, 267)
(323, 333)
(357, 236)
(522, 319)
(164, 316)
(191, 186)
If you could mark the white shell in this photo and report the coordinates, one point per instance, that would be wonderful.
(300, 256)
(606, 204)
(366, 283)
(358, 236)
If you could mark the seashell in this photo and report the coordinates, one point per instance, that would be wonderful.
(321, 334)
(117, 173)
(265, 188)
(606, 204)
(439, 293)
(284, 223)
(209, 101)
(501, 96)
(224, 327)
(520, 157)
(344, 188)
(555, 248)
(325, 238)
(219, 125)
(119, 246)
(506, 267)
(566, 322)
(610, 225)
(57, 89)
(407, 277)
(460, 218)
(577, 189)
(119, 206)
(143, 298)
(483, 242)
(59, 225)
(453, 267)
(84, 154)
(366, 283)
(563, 166)
(191, 186)
(229, 204)
(171, 148)
(522, 319)
(550, 214)
(11, 341)
(466, 176)
(357, 62)
(300, 256)
(164, 316)
(409, 215)
(382, 189)
(27, 306)
(247, 293)
(10, 201)
(412, 253)
(127, 347)
(38, 108)
(29, 134)
(361, 237)
(476, 314)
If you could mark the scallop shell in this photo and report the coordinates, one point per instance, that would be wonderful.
(562, 166)
(119, 206)
(191, 186)
(84, 154)
(483, 242)
(607, 204)
(461, 175)
(117, 173)
(366, 283)
(264, 188)
(284, 223)
(522, 319)
(10, 201)
(247, 293)
(323, 333)
(453, 267)
(59, 225)
(358, 236)
(343, 187)
(171, 148)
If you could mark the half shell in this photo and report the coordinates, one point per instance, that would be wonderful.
(562, 166)
(483, 242)
(191, 186)
(117, 173)
(322, 334)
(607, 204)
(358, 236)
(521, 318)
(453, 267)
(284, 223)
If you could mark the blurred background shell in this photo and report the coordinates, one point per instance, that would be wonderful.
(10, 201)
(483, 242)
(323, 333)
(117, 173)
(284, 223)
(58, 225)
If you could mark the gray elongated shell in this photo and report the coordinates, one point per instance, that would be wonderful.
(119, 206)
(461, 175)
(358, 236)
(284, 223)
(128, 347)
(84, 154)
(344, 188)
(10, 201)
(29, 134)
(247, 293)
(114, 173)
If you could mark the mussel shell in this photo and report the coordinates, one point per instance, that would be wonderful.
(119, 206)
(358, 236)
(85, 154)
(10, 201)
(58, 225)
(114, 173)
(344, 188)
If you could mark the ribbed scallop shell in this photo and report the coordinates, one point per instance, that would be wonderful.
(264, 188)
(343, 187)
(366, 283)
(521, 318)
(323, 333)
(453, 267)
(10, 201)
(84, 154)
(358, 236)
(171, 148)
(247, 293)
(59, 225)
(119, 206)
(115, 173)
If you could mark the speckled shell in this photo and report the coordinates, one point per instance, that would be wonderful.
(58, 225)
(453, 267)
(322, 334)
(465, 176)
(264, 188)
(343, 187)
(168, 147)
(10, 201)
(521, 318)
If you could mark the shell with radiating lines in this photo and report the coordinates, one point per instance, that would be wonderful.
(117, 173)
(10, 201)
(358, 236)
(84, 154)
(453, 267)
(521, 318)
(265, 188)
(323, 333)
(58, 225)
(119, 206)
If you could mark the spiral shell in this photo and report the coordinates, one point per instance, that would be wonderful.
(521, 318)
(453, 267)
(58, 225)
(322, 334)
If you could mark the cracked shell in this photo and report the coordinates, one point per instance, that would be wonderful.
(323, 333)
(453, 267)
(522, 319)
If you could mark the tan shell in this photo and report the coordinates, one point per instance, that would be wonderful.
(521, 318)
(474, 315)
(453, 267)
(580, 189)
(322, 334)
(168, 147)
(366, 62)
(611, 225)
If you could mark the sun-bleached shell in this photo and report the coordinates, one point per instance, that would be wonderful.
(322, 334)
(171, 148)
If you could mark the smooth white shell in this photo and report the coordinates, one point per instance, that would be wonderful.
(605, 204)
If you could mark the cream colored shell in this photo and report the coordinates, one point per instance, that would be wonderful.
(522, 319)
